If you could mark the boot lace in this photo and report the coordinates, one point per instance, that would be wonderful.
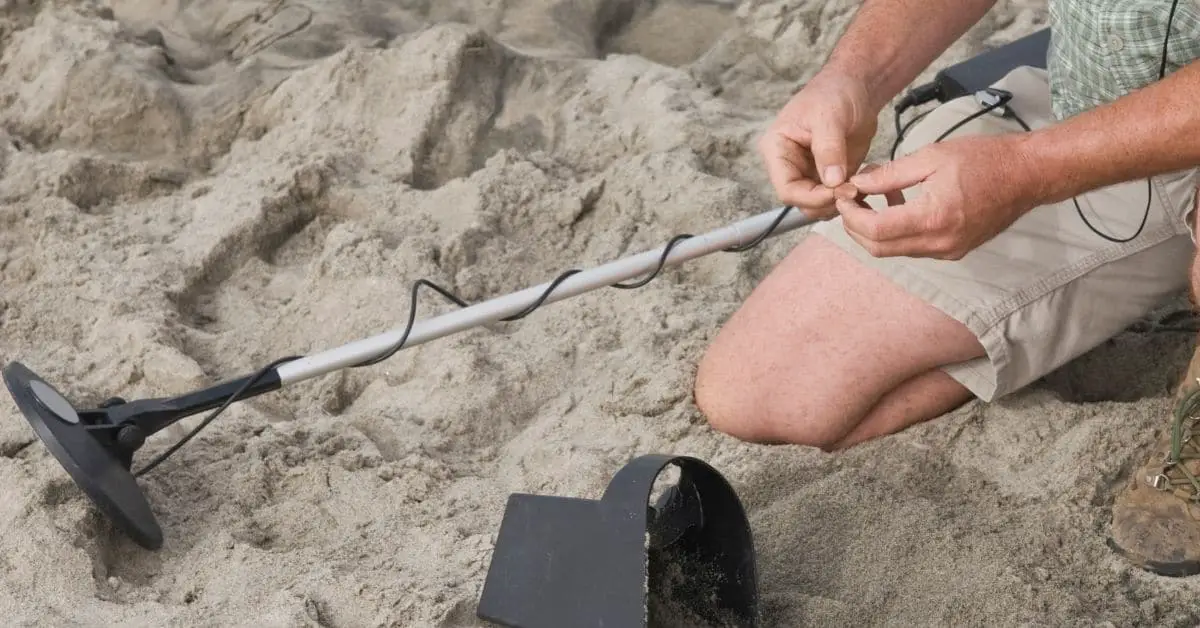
(1175, 475)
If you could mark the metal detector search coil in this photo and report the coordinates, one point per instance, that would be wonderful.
(89, 453)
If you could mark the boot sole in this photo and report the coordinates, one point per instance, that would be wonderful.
(1181, 569)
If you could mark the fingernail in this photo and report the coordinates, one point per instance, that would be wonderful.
(834, 175)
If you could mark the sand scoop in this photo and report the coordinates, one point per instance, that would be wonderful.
(96, 446)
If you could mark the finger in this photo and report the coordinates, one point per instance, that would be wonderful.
(849, 191)
(829, 153)
(920, 245)
(906, 247)
(792, 173)
(895, 175)
(870, 166)
(858, 218)
(894, 198)
(894, 223)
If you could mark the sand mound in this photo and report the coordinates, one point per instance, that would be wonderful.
(190, 190)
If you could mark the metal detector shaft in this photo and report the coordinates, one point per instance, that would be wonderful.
(501, 307)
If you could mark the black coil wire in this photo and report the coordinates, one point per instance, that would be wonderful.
(450, 296)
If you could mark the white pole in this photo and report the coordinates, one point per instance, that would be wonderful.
(736, 234)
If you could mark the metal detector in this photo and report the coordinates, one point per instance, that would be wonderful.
(96, 446)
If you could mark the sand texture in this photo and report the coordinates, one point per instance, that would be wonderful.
(189, 190)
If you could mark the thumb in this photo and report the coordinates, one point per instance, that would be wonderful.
(894, 175)
(829, 153)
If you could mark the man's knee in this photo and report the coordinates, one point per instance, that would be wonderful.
(727, 407)
(744, 406)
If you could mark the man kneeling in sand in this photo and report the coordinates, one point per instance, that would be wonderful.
(1009, 253)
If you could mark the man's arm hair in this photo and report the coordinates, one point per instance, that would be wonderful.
(890, 42)
(1151, 131)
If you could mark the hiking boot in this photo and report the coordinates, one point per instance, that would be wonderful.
(1156, 518)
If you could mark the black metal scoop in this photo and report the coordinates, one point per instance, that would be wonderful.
(687, 561)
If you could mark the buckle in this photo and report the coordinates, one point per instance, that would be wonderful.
(1158, 482)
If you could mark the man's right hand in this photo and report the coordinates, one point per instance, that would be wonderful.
(818, 140)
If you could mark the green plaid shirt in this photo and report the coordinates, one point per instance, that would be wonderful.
(1101, 50)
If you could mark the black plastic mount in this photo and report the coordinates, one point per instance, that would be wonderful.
(983, 70)
(562, 561)
(96, 445)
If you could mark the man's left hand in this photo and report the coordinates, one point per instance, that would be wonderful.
(972, 188)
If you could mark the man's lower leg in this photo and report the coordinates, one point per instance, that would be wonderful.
(920, 399)
(1156, 516)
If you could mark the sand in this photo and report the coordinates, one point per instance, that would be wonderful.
(189, 190)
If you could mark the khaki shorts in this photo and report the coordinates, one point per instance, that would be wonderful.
(1047, 289)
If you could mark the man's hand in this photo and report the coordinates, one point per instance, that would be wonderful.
(822, 134)
(972, 188)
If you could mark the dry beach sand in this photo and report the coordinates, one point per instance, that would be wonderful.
(189, 190)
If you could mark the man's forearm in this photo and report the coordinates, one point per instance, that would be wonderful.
(890, 42)
(1152, 131)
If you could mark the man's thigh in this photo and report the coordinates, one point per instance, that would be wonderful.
(1048, 288)
(816, 345)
